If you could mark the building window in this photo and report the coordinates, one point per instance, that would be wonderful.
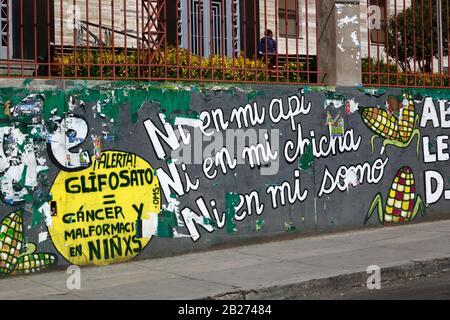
(376, 16)
(209, 27)
(289, 18)
(5, 32)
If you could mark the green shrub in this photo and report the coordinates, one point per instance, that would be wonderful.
(382, 74)
(173, 63)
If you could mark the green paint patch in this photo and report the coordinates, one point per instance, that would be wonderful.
(167, 221)
(435, 94)
(232, 200)
(55, 104)
(37, 217)
(289, 227)
(26, 82)
(306, 160)
(252, 95)
(373, 92)
(260, 225)
(172, 102)
(210, 222)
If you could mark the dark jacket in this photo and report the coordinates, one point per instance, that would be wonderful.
(271, 45)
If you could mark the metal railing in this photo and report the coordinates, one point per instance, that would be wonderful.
(192, 40)
(406, 43)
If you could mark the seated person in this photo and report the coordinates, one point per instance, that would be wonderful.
(267, 45)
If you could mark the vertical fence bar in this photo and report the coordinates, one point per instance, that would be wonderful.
(200, 38)
(112, 44)
(36, 62)
(233, 39)
(74, 30)
(378, 43)
(139, 58)
(61, 38)
(431, 42)
(276, 34)
(266, 40)
(439, 36)
(88, 51)
(189, 39)
(125, 40)
(100, 33)
(177, 35)
(317, 43)
(297, 74)
(405, 48)
(448, 42)
(8, 22)
(423, 39)
(49, 55)
(369, 64)
(307, 42)
(244, 24)
(256, 41)
(223, 35)
(414, 42)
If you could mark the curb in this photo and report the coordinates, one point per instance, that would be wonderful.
(414, 269)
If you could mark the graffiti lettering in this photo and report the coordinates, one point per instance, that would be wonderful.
(372, 174)
(324, 148)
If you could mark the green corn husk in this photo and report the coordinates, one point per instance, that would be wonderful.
(34, 262)
(11, 239)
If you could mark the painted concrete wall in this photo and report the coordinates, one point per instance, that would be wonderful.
(94, 173)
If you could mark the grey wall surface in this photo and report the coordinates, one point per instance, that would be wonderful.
(116, 114)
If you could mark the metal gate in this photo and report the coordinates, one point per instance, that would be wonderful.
(209, 27)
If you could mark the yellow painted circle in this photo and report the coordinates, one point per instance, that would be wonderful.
(95, 212)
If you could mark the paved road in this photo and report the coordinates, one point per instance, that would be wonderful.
(252, 272)
(434, 287)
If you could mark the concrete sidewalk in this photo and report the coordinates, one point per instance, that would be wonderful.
(272, 270)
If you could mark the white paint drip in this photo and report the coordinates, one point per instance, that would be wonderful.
(351, 179)
(354, 106)
(150, 225)
(340, 45)
(46, 210)
(336, 103)
(347, 20)
(189, 122)
(43, 236)
(173, 206)
(180, 235)
(354, 37)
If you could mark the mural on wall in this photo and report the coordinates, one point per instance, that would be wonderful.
(96, 175)
(402, 204)
(96, 214)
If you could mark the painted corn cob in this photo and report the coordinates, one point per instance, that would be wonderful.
(406, 121)
(34, 262)
(398, 131)
(379, 121)
(11, 238)
(12, 258)
(402, 205)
